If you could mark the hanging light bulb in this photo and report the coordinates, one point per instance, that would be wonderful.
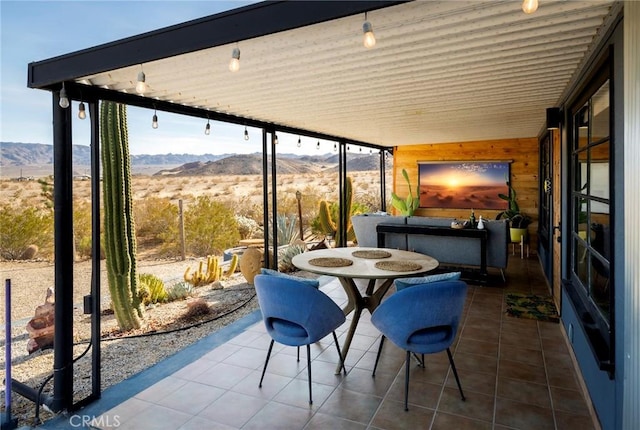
(367, 29)
(234, 64)
(275, 139)
(246, 133)
(154, 122)
(207, 128)
(529, 6)
(82, 114)
(64, 101)
(299, 142)
(318, 145)
(141, 86)
(335, 147)
(348, 148)
(361, 149)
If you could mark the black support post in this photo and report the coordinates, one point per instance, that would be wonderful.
(64, 258)
(95, 250)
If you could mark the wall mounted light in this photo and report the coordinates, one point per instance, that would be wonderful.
(246, 133)
(64, 100)
(154, 121)
(141, 85)
(82, 114)
(529, 6)
(234, 64)
(553, 118)
(207, 128)
(369, 38)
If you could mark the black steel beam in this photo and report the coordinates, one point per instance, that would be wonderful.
(95, 251)
(215, 30)
(86, 93)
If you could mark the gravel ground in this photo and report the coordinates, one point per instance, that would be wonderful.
(122, 354)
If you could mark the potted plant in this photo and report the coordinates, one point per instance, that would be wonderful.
(408, 205)
(518, 221)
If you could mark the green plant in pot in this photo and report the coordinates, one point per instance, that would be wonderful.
(408, 205)
(518, 221)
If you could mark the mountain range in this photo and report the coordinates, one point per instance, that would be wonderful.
(28, 154)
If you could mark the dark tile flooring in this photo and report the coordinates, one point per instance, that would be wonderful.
(516, 374)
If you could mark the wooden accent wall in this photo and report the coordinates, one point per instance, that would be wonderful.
(524, 173)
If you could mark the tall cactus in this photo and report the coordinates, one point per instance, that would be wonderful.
(331, 227)
(119, 228)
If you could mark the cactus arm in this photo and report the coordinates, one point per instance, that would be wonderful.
(232, 265)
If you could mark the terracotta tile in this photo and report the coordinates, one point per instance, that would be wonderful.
(484, 383)
(233, 409)
(445, 421)
(561, 377)
(476, 363)
(275, 415)
(296, 393)
(523, 416)
(484, 323)
(568, 421)
(469, 332)
(351, 405)
(476, 406)
(525, 392)
(420, 393)
(523, 355)
(323, 421)
(559, 360)
(520, 340)
(472, 346)
(569, 401)
(361, 381)
(391, 415)
(522, 371)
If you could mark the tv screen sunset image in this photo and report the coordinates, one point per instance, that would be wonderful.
(463, 185)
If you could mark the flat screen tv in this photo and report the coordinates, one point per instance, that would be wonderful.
(463, 184)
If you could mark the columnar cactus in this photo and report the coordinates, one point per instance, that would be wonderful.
(331, 227)
(119, 228)
(213, 272)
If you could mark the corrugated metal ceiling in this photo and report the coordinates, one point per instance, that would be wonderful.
(441, 71)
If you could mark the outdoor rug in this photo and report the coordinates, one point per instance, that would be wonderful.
(535, 307)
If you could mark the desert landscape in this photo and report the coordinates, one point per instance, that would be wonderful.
(124, 354)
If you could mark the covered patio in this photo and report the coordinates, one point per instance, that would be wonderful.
(465, 79)
(516, 373)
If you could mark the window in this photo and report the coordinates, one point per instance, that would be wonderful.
(590, 247)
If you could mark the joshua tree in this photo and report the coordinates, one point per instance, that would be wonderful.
(120, 237)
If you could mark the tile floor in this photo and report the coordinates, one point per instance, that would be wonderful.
(516, 374)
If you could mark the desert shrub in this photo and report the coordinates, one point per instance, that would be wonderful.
(210, 227)
(24, 226)
(152, 289)
(198, 308)
(157, 224)
(82, 228)
(247, 227)
(180, 291)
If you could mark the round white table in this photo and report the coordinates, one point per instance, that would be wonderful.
(363, 268)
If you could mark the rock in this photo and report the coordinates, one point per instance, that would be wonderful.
(217, 285)
(29, 253)
(41, 326)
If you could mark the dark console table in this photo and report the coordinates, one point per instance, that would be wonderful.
(382, 229)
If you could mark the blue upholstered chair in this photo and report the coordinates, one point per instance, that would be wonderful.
(422, 319)
(296, 314)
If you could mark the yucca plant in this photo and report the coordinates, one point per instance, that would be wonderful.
(408, 205)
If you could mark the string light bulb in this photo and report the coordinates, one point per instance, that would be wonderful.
(275, 138)
(64, 100)
(234, 64)
(246, 133)
(141, 85)
(335, 147)
(318, 145)
(154, 121)
(299, 142)
(82, 114)
(207, 128)
(529, 6)
(369, 38)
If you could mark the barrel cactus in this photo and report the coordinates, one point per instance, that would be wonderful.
(119, 227)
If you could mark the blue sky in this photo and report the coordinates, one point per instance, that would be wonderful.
(38, 30)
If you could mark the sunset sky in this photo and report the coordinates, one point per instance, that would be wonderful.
(454, 175)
